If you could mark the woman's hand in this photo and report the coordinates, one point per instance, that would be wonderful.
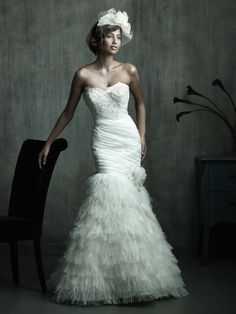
(42, 156)
(143, 147)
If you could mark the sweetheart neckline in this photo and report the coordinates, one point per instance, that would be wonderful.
(108, 87)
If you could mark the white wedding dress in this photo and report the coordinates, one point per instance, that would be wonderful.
(116, 251)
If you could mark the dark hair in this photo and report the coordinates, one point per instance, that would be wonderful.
(96, 35)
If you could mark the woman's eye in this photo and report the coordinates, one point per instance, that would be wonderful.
(109, 36)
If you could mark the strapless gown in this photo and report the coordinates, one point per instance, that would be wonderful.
(116, 251)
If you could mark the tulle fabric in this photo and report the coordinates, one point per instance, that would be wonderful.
(116, 251)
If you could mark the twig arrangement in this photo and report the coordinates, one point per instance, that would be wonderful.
(216, 110)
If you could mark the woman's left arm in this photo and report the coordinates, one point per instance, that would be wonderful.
(135, 89)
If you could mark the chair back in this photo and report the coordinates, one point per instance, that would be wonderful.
(30, 183)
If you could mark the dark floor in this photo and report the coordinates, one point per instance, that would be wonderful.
(212, 290)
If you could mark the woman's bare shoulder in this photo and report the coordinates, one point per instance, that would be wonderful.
(85, 69)
(130, 68)
(84, 72)
(131, 71)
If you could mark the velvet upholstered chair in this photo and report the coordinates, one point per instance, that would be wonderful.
(27, 202)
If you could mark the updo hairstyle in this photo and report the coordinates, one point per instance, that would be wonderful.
(96, 35)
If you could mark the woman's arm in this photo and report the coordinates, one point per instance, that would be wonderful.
(66, 115)
(139, 105)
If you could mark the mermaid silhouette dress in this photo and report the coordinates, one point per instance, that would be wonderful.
(116, 251)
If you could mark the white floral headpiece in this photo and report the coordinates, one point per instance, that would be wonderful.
(113, 17)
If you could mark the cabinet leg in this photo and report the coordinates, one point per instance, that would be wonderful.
(14, 261)
(205, 241)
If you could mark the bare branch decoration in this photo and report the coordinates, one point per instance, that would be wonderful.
(216, 110)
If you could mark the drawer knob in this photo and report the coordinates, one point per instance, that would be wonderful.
(232, 176)
(232, 204)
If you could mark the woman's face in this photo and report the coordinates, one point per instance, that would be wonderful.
(112, 42)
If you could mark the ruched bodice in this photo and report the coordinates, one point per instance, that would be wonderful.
(116, 144)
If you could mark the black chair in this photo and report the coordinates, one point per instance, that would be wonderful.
(27, 202)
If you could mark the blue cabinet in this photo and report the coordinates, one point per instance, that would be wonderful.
(216, 194)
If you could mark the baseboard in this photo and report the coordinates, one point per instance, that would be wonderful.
(48, 249)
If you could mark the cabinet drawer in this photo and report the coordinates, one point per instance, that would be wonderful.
(222, 176)
(222, 207)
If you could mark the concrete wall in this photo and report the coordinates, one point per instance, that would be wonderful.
(175, 43)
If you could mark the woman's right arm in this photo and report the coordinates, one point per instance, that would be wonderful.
(66, 115)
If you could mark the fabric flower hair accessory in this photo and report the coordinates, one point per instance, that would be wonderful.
(113, 17)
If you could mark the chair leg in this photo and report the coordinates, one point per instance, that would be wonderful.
(14, 261)
(38, 258)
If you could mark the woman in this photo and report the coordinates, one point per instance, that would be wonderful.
(116, 251)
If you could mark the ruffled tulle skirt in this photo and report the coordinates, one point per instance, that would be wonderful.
(116, 251)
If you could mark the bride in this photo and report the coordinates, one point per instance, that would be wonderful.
(116, 251)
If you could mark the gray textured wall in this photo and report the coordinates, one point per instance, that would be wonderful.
(175, 43)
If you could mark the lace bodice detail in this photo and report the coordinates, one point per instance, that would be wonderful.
(111, 101)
